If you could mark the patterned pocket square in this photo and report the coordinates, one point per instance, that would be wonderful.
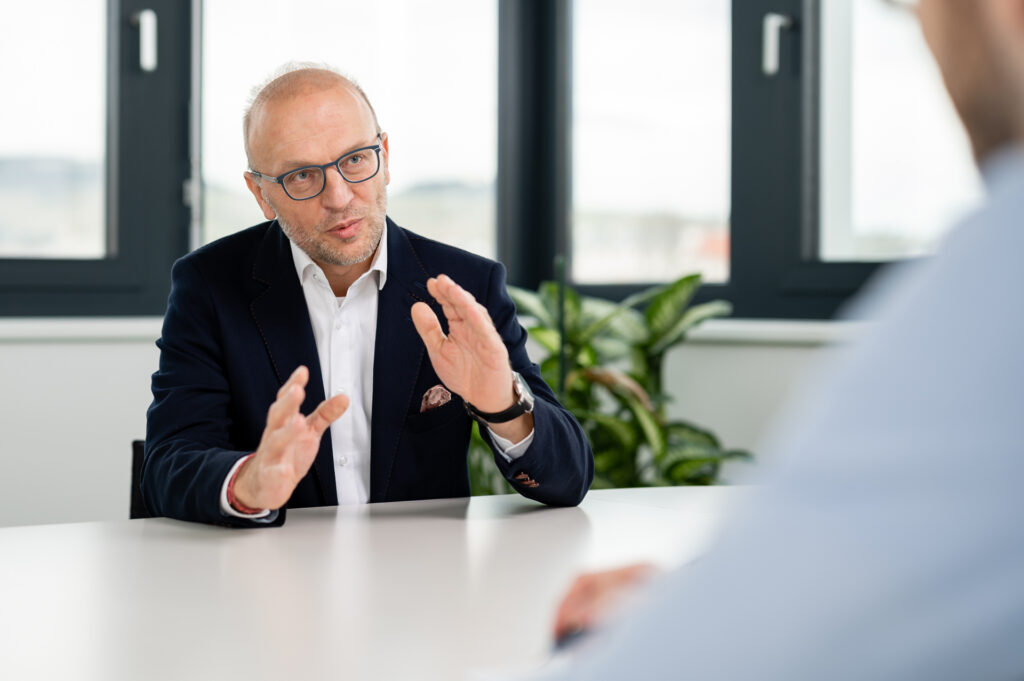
(438, 396)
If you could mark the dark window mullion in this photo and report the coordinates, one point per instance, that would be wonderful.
(534, 133)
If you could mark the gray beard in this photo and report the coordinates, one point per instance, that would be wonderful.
(321, 253)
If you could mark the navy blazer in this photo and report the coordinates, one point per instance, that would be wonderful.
(237, 326)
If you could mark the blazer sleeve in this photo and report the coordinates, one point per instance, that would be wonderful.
(558, 467)
(189, 443)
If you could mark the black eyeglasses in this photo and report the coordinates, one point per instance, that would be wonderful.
(308, 182)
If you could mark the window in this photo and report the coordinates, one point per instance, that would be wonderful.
(52, 183)
(430, 70)
(896, 162)
(651, 148)
(93, 157)
(514, 126)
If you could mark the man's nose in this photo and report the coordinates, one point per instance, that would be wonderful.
(337, 192)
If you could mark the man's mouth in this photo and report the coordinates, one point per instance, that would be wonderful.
(346, 229)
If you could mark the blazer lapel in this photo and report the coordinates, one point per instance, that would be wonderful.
(398, 356)
(282, 318)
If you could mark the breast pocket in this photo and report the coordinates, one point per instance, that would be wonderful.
(433, 419)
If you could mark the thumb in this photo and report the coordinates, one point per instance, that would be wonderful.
(428, 326)
(327, 413)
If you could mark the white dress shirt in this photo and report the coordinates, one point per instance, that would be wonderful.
(345, 331)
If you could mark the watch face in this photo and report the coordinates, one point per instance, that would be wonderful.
(523, 392)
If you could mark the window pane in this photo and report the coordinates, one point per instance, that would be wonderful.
(896, 166)
(53, 137)
(430, 70)
(651, 145)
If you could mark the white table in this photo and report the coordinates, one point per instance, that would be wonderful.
(424, 590)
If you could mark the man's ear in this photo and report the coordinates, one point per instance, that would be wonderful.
(257, 191)
(385, 153)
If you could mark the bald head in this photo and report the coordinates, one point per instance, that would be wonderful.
(292, 81)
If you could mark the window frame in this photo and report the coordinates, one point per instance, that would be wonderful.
(774, 218)
(152, 183)
(146, 208)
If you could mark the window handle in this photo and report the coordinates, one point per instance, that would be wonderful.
(145, 21)
(773, 26)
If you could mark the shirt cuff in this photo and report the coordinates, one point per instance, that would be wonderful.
(509, 451)
(227, 509)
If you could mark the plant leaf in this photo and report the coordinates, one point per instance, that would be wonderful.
(668, 305)
(548, 338)
(620, 430)
(610, 349)
(529, 304)
(619, 383)
(694, 472)
(620, 309)
(694, 316)
(549, 298)
(649, 426)
(681, 433)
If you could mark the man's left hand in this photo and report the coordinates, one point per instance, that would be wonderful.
(471, 360)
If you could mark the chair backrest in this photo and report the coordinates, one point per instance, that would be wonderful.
(138, 509)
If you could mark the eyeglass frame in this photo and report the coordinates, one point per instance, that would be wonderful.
(279, 180)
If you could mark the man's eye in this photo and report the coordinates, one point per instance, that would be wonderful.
(302, 176)
(354, 159)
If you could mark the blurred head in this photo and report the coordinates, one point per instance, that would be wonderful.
(979, 47)
(310, 116)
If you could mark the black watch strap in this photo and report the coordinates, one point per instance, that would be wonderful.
(523, 404)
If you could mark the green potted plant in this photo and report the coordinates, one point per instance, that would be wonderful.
(606, 361)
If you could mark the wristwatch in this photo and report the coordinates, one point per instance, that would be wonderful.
(523, 404)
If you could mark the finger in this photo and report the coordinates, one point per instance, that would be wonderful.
(460, 307)
(460, 303)
(285, 407)
(447, 292)
(299, 377)
(327, 413)
(478, 320)
(428, 326)
(279, 442)
(571, 613)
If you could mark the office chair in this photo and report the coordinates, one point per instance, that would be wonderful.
(138, 508)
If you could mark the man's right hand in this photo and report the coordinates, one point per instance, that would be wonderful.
(288, 447)
(593, 596)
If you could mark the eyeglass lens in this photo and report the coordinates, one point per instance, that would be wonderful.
(308, 182)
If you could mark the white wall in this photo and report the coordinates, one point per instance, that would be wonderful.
(75, 394)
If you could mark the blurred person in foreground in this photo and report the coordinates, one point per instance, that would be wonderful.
(888, 541)
(328, 356)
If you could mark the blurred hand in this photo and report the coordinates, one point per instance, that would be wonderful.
(288, 447)
(593, 596)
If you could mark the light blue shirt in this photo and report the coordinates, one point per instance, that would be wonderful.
(888, 540)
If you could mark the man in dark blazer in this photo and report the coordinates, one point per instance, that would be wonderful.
(240, 427)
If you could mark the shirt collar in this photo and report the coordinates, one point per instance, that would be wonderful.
(305, 268)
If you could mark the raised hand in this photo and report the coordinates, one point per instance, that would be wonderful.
(288, 447)
(471, 360)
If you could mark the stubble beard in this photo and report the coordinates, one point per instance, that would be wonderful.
(319, 247)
